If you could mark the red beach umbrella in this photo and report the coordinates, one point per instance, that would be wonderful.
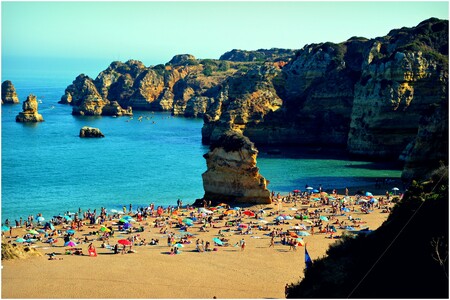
(124, 242)
(249, 213)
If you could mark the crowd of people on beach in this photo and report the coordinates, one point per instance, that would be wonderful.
(311, 212)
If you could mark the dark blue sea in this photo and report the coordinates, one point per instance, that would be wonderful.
(48, 169)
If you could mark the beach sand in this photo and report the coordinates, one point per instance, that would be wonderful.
(256, 272)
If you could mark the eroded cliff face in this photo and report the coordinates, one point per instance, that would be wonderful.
(232, 174)
(395, 90)
(9, 95)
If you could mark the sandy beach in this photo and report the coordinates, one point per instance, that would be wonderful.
(258, 271)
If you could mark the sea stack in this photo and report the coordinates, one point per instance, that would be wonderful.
(232, 174)
(30, 111)
(90, 132)
(9, 95)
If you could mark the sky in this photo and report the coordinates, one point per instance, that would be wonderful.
(78, 36)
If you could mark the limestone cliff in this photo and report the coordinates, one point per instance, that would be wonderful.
(30, 111)
(90, 132)
(231, 173)
(9, 95)
(273, 54)
(86, 99)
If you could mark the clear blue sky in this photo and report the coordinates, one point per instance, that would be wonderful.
(96, 33)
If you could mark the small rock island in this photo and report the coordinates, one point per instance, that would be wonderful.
(90, 132)
(30, 111)
(9, 95)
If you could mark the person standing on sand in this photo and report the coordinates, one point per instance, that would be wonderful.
(242, 244)
(272, 242)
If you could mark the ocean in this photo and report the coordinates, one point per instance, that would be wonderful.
(48, 169)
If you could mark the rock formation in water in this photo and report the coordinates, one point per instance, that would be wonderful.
(86, 100)
(90, 132)
(231, 173)
(363, 95)
(9, 95)
(30, 111)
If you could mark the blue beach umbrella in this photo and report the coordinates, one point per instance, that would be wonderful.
(303, 233)
(237, 208)
(70, 231)
(5, 228)
(345, 209)
(68, 218)
(315, 191)
(217, 241)
(288, 218)
(369, 194)
(323, 218)
(127, 217)
(20, 240)
(127, 225)
(188, 222)
(279, 218)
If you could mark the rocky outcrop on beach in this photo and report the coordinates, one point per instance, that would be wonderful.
(13, 251)
(232, 174)
(90, 132)
(30, 111)
(9, 95)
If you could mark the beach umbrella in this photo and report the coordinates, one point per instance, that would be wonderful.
(369, 194)
(323, 218)
(70, 244)
(315, 191)
(316, 199)
(309, 188)
(297, 217)
(178, 245)
(40, 219)
(127, 225)
(5, 228)
(122, 220)
(279, 218)
(300, 242)
(229, 212)
(127, 217)
(104, 229)
(263, 221)
(373, 200)
(243, 225)
(288, 218)
(188, 222)
(204, 210)
(70, 231)
(20, 240)
(293, 208)
(31, 240)
(303, 233)
(217, 241)
(68, 218)
(32, 231)
(249, 213)
(124, 242)
(395, 189)
(114, 211)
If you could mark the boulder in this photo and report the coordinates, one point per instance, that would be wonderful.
(232, 174)
(9, 95)
(89, 132)
(181, 59)
(30, 111)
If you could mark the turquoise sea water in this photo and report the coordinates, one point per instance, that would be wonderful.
(48, 169)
